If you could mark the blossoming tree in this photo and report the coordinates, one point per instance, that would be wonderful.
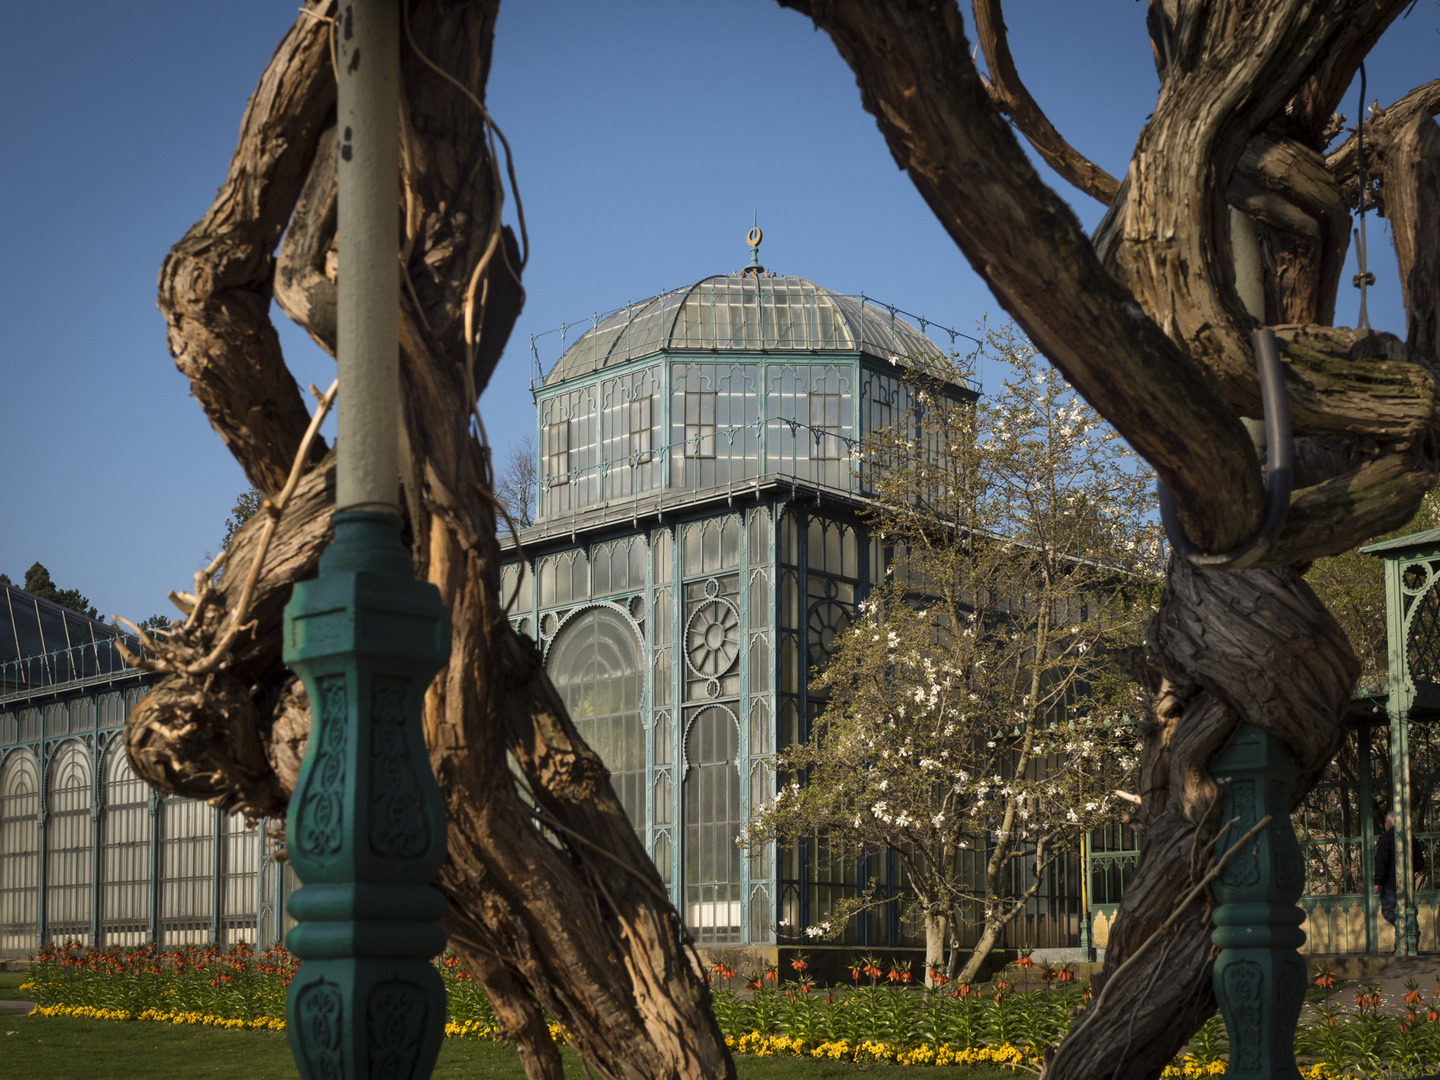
(975, 725)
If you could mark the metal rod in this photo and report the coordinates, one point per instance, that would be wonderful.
(369, 277)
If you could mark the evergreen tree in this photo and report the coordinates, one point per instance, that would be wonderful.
(38, 583)
(247, 503)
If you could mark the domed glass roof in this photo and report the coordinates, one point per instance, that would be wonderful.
(744, 313)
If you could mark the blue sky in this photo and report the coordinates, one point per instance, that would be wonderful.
(645, 136)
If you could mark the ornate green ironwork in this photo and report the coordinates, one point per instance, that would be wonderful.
(366, 831)
(1259, 977)
(1412, 610)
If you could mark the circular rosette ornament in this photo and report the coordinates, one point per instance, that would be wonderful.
(827, 622)
(712, 638)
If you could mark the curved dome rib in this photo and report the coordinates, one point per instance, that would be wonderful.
(747, 313)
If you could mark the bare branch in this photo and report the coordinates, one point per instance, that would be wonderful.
(1012, 98)
(1379, 129)
(1174, 252)
(942, 127)
(272, 508)
(1412, 203)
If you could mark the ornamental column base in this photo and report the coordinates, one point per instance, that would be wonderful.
(366, 827)
(1259, 977)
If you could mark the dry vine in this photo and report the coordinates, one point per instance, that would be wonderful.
(614, 969)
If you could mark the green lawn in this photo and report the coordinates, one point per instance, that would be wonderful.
(61, 1048)
(10, 986)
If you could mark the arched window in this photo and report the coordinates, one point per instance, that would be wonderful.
(19, 852)
(595, 665)
(125, 856)
(68, 840)
(712, 827)
(187, 870)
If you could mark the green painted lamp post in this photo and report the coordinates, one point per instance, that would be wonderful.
(366, 827)
(1259, 976)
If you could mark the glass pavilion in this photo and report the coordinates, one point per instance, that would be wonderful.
(87, 852)
(698, 545)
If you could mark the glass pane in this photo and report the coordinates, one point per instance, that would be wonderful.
(596, 668)
(712, 827)
(637, 563)
(759, 536)
(664, 799)
(187, 858)
(125, 855)
(662, 556)
(602, 572)
(691, 561)
(663, 856)
(711, 558)
(730, 544)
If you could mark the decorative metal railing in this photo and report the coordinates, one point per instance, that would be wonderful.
(78, 665)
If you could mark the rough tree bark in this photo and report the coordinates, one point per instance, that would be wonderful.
(1145, 320)
(572, 919)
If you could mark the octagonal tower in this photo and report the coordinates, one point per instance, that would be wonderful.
(699, 542)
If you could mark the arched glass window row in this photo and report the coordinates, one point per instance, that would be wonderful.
(69, 857)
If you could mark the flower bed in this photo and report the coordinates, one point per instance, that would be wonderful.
(880, 1017)
(149, 983)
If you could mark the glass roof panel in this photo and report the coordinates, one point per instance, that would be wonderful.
(42, 643)
(744, 313)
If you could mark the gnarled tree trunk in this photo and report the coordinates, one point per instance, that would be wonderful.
(1146, 321)
(573, 918)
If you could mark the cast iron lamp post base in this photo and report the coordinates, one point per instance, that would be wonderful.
(366, 828)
